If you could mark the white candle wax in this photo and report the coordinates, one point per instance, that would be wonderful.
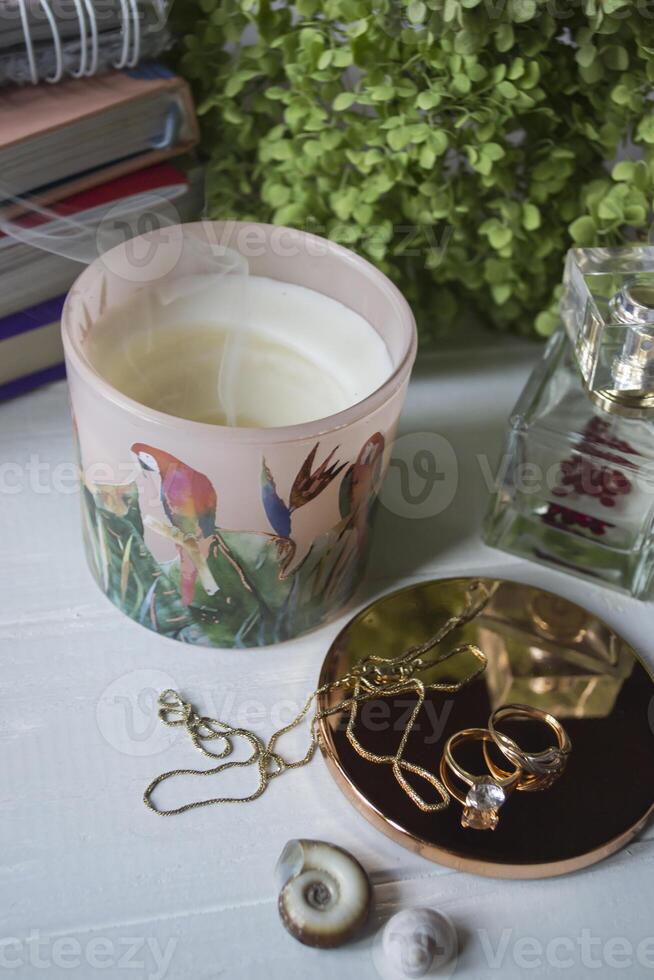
(239, 350)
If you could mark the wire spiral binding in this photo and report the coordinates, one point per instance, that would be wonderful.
(56, 40)
(130, 19)
(89, 37)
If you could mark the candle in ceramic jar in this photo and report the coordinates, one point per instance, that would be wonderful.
(239, 350)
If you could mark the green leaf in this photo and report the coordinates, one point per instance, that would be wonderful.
(371, 157)
(530, 216)
(420, 132)
(428, 100)
(343, 58)
(281, 150)
(547, 323)
(501, 292)
(593, 73)
(438, 141)
(531, 76)
(461, 84)
(376, 187)
(495, 270)
(427, 157)
(343, 101)
(330, 139)
(294, 114)
(586, 55)
(310, 39)
(417, 11)
(583, 231)
(289, 214)
(398, 138)
(312, 148)
(499, 235)
(624, 170)
(635, 214)
(610, 209)
(343, 202)
(616, 57)
(315, 120)
(382, 93)
(493, 151)
(507, 90)
(523, 10)
(485, 131)
(645, 129)
(466, 42)
(277, 195)
(237, 82)
(362, 214)
(621, 95)
(357, 29)
(504, 37)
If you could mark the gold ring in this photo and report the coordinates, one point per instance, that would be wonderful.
(542, 768)
(486, 794)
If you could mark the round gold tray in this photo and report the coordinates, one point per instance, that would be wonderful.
(542, 650)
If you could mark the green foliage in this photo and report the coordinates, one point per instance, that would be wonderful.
(124, 567)
(259, 601)
(462, 145)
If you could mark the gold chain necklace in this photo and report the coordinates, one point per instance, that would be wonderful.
(372, 678)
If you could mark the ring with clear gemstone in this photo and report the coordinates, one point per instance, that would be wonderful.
(486, 794)
(483, 800)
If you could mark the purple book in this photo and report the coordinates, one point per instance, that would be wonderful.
(31, 352)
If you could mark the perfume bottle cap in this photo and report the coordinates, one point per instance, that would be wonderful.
(608, 311)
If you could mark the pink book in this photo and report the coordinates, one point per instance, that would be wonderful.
(57, 140)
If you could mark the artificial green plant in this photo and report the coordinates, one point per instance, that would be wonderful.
(462, 145)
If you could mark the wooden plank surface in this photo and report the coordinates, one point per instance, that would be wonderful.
(92, 883)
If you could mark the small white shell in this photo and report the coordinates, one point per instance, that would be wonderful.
(324, 893)
(415, 943)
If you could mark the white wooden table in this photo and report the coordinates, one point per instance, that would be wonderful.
(91, 883)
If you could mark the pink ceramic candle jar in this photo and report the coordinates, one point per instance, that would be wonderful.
(276, 520)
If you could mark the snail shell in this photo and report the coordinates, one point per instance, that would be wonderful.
(417, 942)
(325, 894)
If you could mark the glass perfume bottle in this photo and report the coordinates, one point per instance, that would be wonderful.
(576, 480)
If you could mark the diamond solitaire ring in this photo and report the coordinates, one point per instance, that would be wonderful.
(486, 793)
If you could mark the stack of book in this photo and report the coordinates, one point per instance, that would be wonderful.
(80, 140)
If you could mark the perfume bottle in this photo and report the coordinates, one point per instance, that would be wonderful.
(576, 480)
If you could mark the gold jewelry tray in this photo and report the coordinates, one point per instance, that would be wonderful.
(542, 650)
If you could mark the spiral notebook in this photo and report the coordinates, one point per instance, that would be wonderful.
(48, 40)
